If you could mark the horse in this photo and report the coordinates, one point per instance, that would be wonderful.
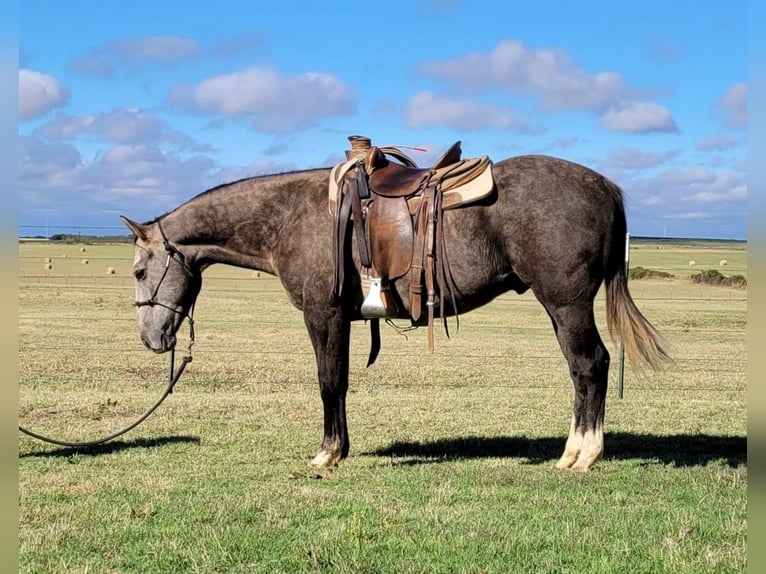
(551, 225)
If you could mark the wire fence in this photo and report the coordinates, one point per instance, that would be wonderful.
(712, 357)
(249, 334)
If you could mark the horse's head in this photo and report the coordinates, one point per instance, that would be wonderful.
(167, 284)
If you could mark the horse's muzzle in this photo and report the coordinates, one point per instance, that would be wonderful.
(166, 343)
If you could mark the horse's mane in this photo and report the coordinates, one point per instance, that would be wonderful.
(223, 186)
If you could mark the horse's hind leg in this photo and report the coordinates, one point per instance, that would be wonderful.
(330, 334)
(588, 362)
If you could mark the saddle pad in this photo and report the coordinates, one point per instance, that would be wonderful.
(336, 174)
(476, 189)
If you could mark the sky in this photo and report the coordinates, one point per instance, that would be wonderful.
(134, 107)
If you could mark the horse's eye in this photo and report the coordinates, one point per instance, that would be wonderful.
(139, 274)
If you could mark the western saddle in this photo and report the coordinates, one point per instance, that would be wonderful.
(396, 209)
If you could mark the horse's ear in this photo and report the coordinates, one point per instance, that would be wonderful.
(138, 229)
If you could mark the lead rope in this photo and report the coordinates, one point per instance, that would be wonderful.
(173, 378)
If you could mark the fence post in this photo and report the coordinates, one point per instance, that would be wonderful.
(621, 375)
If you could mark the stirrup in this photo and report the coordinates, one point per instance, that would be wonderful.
(378, 303)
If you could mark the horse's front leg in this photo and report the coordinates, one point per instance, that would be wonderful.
(330, 332)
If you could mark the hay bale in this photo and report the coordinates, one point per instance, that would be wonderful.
(723, 263)
(65, 256)
(82, 250)
(110, 271)
(692, 263)
(48, 260)
(84, 261)
(255, 274)
(49, 266)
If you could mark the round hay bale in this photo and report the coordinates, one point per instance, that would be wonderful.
(692, 263)
(110, 271)
(255, 274)
(82, 250)
(723, 263)
(84, 261)
(49, 266)
(65, 256)
(48, 260)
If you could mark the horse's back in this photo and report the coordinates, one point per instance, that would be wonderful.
(542, 188)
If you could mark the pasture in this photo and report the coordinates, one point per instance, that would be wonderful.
(451, 464)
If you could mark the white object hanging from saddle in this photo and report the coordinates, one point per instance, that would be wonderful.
(378, 303)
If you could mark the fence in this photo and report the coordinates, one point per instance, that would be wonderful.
(249, 334)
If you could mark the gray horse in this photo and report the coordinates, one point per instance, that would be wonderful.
(552, 226)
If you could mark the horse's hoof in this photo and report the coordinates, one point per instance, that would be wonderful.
(581, 463)
(566, 461)
(325, 458)
(585, 462)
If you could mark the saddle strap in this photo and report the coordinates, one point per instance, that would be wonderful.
(356, 192)
(418, 253)
(445, 280)
(430, 246)
(348, 207)
(339, 239)
(430, 194)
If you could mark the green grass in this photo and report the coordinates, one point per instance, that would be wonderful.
(686, 257)
(451, 466)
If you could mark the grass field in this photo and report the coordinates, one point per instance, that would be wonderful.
(451, 466)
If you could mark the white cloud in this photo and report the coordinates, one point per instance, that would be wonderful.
(141, 181)
(551, 75)
(557, 82)
(734, 104)
(639, 117)
(39, 93)
(105, 58)
(689, 215)
(124, 125)
(688, 194)
(631, 158)
(40, 160)
(716, 143)
(55, 176)
(687, 185)
(427, 109)
(686, 176)
(282, 123)
(266, 91)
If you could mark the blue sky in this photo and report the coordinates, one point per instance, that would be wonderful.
(134, 107)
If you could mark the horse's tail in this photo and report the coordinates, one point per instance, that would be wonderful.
(642, 343)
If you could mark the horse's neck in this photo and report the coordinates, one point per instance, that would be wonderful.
(227, 229)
